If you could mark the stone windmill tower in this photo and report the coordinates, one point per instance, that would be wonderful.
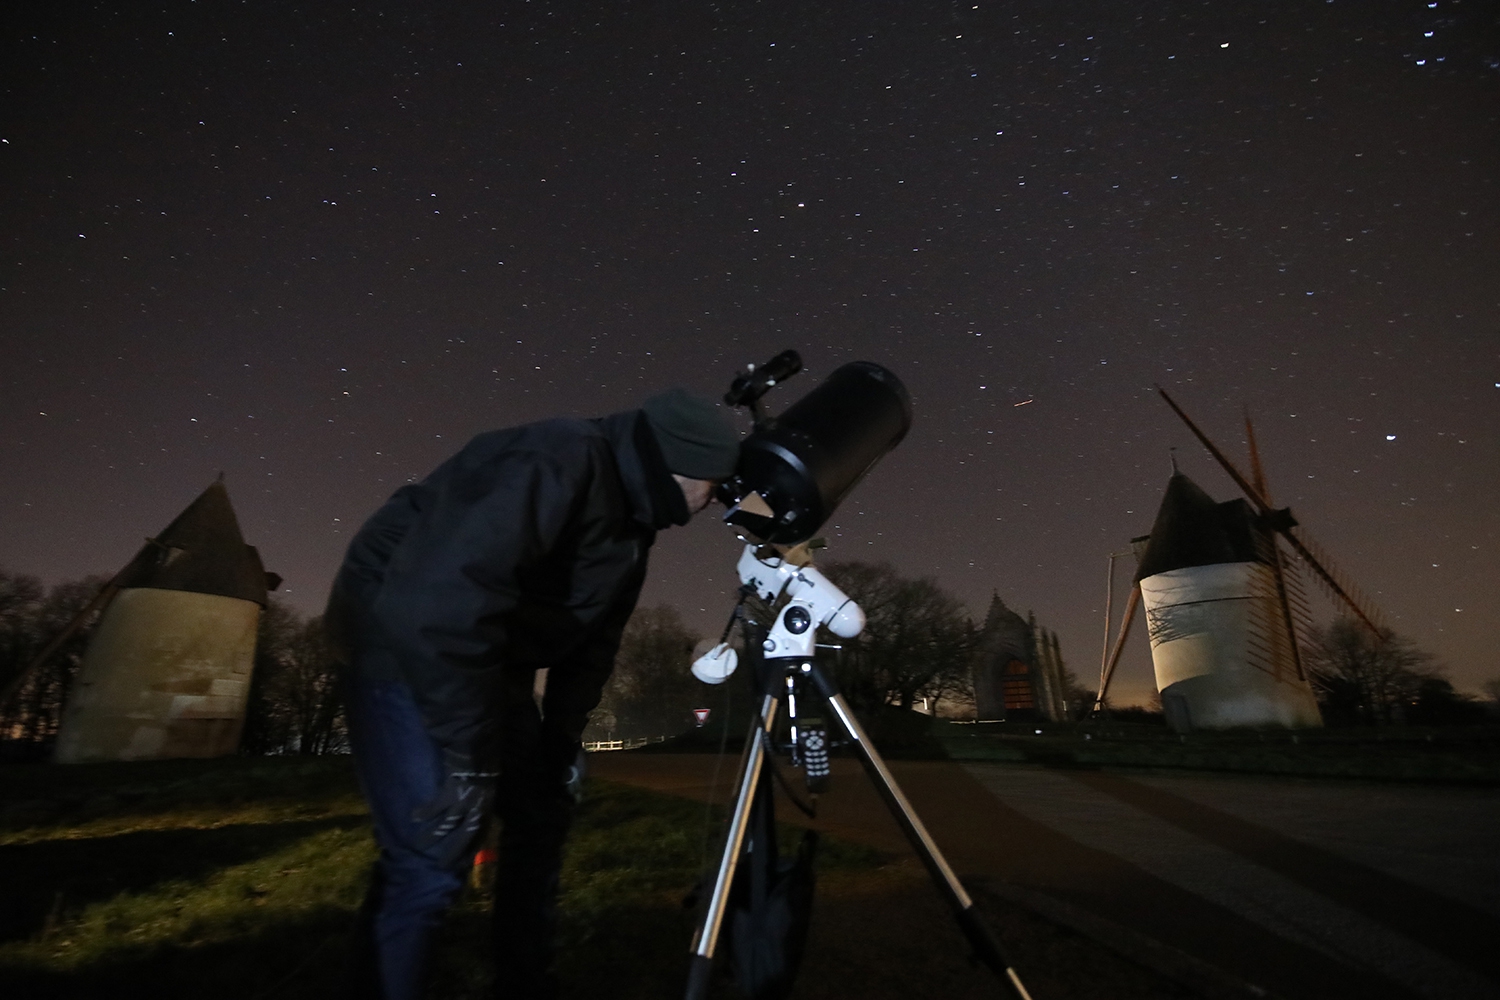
(167, 673)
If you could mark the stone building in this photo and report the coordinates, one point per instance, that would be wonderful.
(1018, 669)
(167, 673)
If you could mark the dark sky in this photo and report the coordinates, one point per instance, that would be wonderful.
(319, 249)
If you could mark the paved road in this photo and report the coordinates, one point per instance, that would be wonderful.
(1302, 889)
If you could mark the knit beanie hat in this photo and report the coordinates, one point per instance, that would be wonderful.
(696, 439)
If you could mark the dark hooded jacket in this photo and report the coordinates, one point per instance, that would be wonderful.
(525, 550)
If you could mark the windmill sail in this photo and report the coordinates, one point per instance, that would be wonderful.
(1334, 580)
(1280, 520)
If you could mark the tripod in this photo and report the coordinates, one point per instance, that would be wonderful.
(790, 668)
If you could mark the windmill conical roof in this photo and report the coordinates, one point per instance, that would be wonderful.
(1193, 529)
(203, 552)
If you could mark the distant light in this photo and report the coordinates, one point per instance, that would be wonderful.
(1223, 45)
(1390, 437)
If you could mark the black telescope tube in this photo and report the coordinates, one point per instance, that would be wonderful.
(804, 462)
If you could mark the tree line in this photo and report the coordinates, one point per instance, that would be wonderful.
(918, 647)
(295, 706)
(1361, 678)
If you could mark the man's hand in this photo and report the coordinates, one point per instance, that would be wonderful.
(456, 814)
(577, 771)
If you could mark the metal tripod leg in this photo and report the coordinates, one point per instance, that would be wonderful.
(706, 939)
(981, 938)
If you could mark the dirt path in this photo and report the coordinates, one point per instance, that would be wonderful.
(1239, 885)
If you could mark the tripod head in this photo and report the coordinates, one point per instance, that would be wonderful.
(813, 601)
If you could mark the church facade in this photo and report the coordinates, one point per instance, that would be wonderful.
(1018, 670)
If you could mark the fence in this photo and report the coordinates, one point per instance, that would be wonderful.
(595, 746)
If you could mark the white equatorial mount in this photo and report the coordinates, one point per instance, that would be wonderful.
(813, 601)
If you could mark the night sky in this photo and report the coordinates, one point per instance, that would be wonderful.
(319, 249)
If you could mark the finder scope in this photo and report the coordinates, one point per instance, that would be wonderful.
(746, 389)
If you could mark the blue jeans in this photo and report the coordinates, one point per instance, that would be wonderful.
(400, 769)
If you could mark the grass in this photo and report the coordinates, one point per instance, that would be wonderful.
(179, 877)
(237, 879)
(633, 859)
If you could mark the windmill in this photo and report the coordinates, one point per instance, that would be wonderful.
(1225, 607)
(167, 671)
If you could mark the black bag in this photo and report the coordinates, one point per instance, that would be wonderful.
(770, 905)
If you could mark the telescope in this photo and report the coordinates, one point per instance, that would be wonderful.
(793, 472)
(795, 469)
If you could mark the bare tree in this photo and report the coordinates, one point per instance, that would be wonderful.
(310, 691)
(1490, 702)
(651, 692)
(294, 692)
(1363, 678)
(21, 599)
(29, 618)
(1080, 697)
(917, 642)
